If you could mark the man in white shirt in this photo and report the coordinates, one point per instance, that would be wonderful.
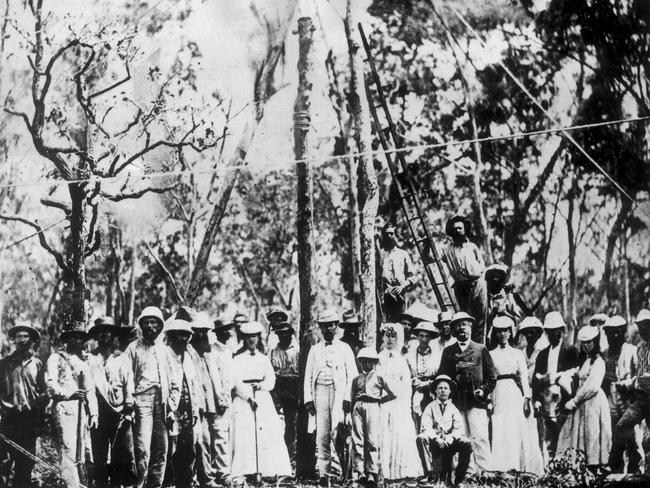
(442, 434)
(329, 372)
(557, 357)
(466, 267)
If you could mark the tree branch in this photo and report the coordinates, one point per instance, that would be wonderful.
(170, 278)
(139, 193)
(49, 202)
(41, 237)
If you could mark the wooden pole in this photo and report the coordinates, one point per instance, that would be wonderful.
(306, 269)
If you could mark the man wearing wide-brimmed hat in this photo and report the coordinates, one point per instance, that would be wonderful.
(110, 377)
(351, 325)
(216, 403)
(639, 384)
(156, 392)
(620, 365)
(398, 273)
(466, 267)
(501, 297)
(470, 365)
(556, 358)
(190, 405)
(329, 372)
(284, 359)
(22, 398)
(69, 384)
(276, 316)
(423, 363)
(220, 428)
(442, 434)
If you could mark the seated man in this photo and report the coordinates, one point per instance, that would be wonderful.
(442, 435)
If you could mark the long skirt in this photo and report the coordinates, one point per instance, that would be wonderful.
(267, 454)
(515, 444)
(398, 449)
(588, 429)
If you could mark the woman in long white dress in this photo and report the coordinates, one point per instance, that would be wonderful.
(398, 449)
(252, 408)
(511, 442)
(588, 428)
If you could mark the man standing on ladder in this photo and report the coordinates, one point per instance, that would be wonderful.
(466, 267)
(397, 272)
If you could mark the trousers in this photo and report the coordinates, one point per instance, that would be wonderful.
(220, 434)
(150, 433)
(183, 457)
(366, 424)
(205, 470)
(437, 461)
(477, 427)
(21, 428)
(324, 404)
(285, 398)
(637, 410)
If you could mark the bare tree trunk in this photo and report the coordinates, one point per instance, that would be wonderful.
(626, 281)
(368, 186)
(134, 264)
(306, 269)
(573, 286)
(617, 228)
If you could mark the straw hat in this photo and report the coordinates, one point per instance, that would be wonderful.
(368, 353)
(530, 323)
(553, 320)
(588, 332)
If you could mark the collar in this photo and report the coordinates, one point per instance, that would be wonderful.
(463, 345)
(426, 352)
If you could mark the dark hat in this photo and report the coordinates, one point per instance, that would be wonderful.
(219, 323)
(76, 328)
(188, 314)
(103, 324)
(277, 311)
(443, 377)
(350, 319)
(24, 326)
(283, 327)
(449, 227)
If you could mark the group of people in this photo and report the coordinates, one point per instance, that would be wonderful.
(192, 400)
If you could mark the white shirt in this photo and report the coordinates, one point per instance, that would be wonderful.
(463, 345)
(553, 355)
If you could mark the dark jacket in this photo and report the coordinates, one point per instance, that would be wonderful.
(567, 359)
(472, 369)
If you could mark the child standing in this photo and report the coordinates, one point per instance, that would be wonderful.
(442, 434)
(367, 394)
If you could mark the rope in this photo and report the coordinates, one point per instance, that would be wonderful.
(283, 164)
(544, 111)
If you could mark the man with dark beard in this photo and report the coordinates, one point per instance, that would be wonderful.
(466, 267)
(620, 365)
(190, 405)
(207, 369)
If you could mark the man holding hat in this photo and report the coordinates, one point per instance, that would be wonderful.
(620, 365)
(470, 365)
(639, 384)
(284, 359)
(209, 378)
(222, 354)
(351, 324)
(466, 267)
(442, 434)
(398, 273)
(556, 358)
(191, 404)
(329, 372)
(156, 392)
(70, 385)
(22, 398)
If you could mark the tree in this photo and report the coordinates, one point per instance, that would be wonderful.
(85, 145)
